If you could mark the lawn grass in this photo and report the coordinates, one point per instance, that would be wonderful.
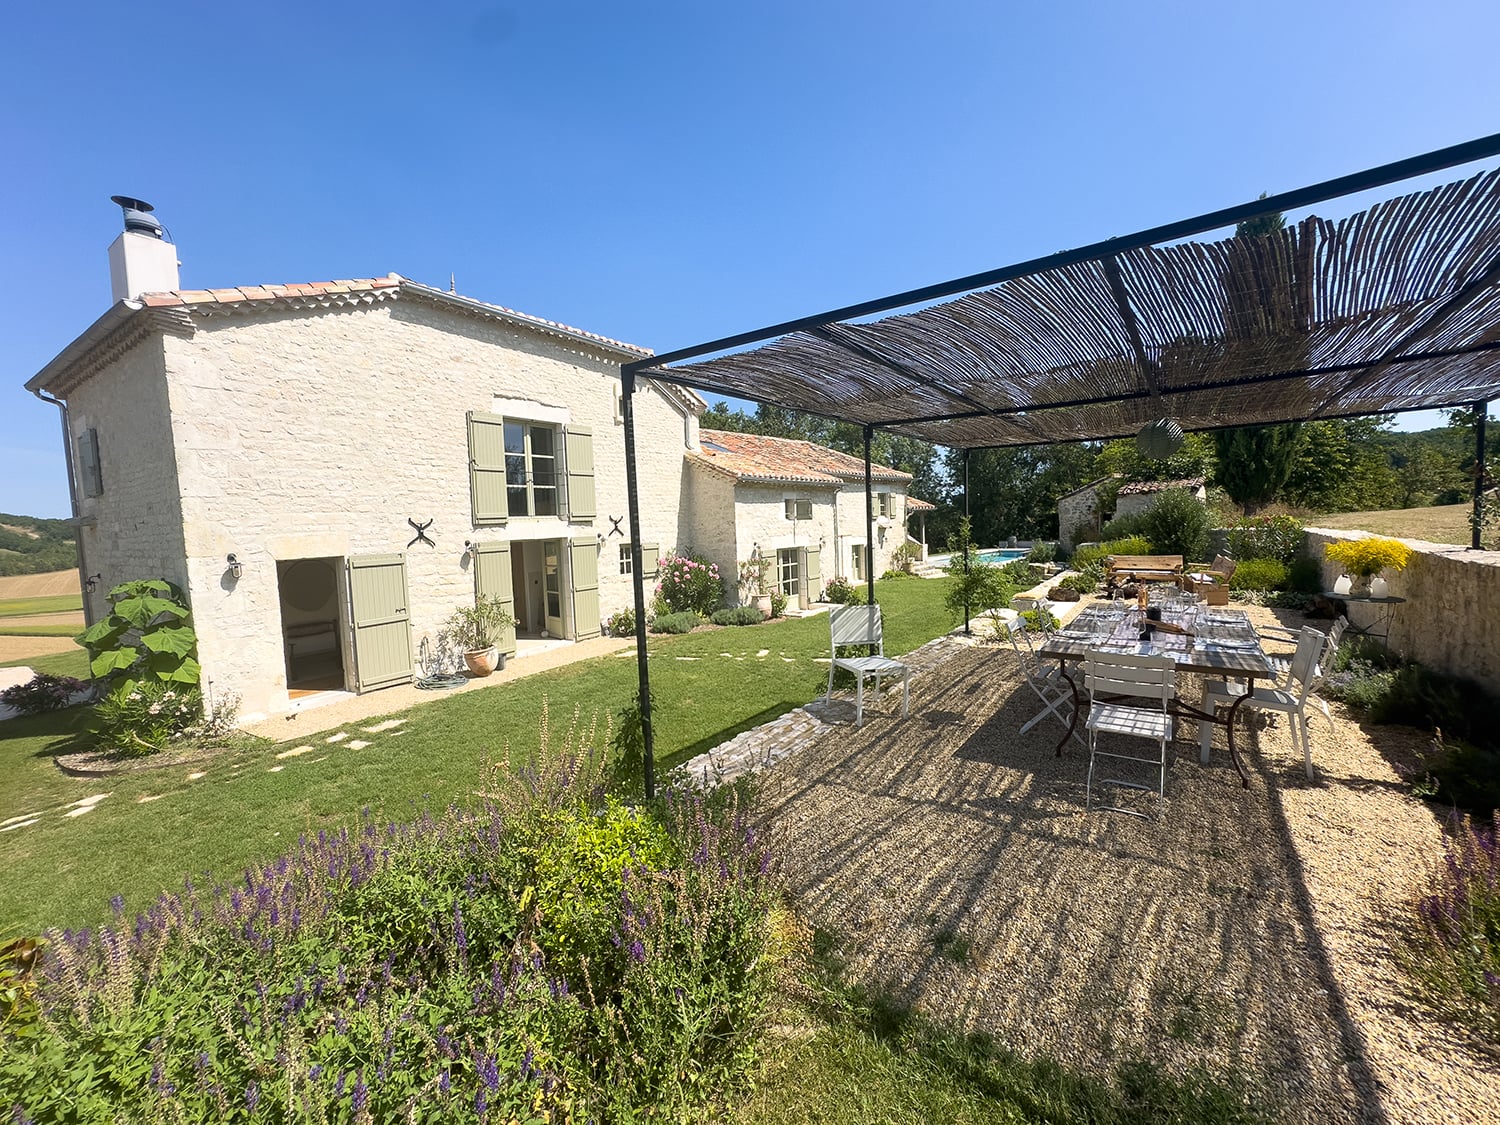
(1447, 523)
(38, 630)
(62, 871)
(74, 662)
(58, 603)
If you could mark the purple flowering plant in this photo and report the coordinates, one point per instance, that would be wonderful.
(42, 693)
(547, 954)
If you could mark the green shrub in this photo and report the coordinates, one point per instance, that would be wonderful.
(778, 603)
(1462, 774)
(621, 624)
(1130, 526)
(688, 582)
(738, 615)
(1021, 574)
(1039, 620)
(147, 636)
(684, 622)
(1304, 576)
(838, 591)
(1177, 524)
(1083, 583)
(1042, 553)
(890, 574)
(1259, 574)
(141, 718)
(1267, 537)
(425, 971)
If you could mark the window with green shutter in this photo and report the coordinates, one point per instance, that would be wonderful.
(487, 469)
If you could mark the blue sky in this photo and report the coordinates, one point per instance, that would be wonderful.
(669, 173)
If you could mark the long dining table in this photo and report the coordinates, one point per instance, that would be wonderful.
(1217, 642)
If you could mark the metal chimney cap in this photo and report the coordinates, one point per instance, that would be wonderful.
(138, 218)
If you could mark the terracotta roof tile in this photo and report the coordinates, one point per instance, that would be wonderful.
(1141, 487)
(754, 457)
(915, 505)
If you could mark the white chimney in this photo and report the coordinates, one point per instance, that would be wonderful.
(141, 260)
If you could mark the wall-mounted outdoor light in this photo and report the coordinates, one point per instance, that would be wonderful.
(91, 583)
(236, 568)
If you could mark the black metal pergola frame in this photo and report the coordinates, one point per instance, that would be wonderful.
(829, 328)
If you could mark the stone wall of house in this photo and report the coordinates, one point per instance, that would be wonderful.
(709, 523)
(1450, 618)
(319, 435)
(760, 520)
(890, 531)
(1077, 511)
(133, 530)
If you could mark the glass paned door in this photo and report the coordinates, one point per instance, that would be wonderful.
(552, 585)
(530, 469)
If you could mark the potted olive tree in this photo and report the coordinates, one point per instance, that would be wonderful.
(475, 629)
(752, 584)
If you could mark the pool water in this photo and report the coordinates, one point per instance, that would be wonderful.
(1003, 554)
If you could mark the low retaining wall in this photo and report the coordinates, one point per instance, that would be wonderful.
(1451, 619)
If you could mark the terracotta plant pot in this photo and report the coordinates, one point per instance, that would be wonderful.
(763, 603)
(483, 661)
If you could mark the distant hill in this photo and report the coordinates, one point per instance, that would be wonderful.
(30, 545)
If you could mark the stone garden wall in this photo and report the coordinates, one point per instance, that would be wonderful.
(1451, 618)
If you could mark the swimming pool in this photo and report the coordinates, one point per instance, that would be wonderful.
(1003, 554)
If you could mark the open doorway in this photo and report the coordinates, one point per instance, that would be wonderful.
(537, 583)
(312, 639)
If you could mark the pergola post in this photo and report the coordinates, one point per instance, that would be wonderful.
(632, 500)
(1481, 410)
(964, 543)
(869, 522)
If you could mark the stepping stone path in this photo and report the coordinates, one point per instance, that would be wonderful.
(769, 743)
(340, 740)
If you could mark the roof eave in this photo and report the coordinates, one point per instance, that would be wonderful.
(93, 336)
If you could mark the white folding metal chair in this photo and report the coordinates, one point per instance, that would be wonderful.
(1291, 700)
(1152, 678)
(1044, 678)
(860, 625)
(1282, 665)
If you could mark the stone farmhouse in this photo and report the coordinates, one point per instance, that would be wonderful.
(328, 470)
(799, 506)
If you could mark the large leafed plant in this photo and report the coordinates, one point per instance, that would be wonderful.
(148, 636)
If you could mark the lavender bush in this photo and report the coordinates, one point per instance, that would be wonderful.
(1455, 948)
(548, 956)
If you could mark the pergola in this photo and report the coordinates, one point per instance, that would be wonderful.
(1394, 308)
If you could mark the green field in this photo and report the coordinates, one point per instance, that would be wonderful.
(25, 607)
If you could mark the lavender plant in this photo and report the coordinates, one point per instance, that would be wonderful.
(547, 955)
(1454, 951)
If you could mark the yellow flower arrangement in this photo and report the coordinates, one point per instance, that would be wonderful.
(1365, 558)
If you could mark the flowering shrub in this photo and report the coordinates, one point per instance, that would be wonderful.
(838, 591)
(1455, 951)
(621, 624)
(1368, 557)
(42, 693)
(1266, 537)
(141, 718)
(778, 603)
(686, 582)
(544, 957)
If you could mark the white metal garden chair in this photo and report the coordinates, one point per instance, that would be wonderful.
(860, 625)
(1046, 679)
(1291, 700)
(1150, 679)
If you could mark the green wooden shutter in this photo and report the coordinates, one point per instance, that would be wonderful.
(579, 443)
(487, 494)
(88, 463)
(650, 560)
(382, 627)
(812, 575)
(492, 580)
(585, 560)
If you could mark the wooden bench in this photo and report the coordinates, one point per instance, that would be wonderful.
(1147, 568)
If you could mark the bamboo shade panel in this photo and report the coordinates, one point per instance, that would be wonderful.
(1394, 308)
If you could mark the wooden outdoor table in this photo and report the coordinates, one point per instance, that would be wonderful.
(1196, 655)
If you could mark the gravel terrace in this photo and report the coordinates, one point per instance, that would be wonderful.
(1238, 929)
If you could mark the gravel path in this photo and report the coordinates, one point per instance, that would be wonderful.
(1239, 929)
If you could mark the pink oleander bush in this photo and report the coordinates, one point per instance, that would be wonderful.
(550, 955)
(688, 583)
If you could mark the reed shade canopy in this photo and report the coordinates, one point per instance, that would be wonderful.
(1394, 308)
